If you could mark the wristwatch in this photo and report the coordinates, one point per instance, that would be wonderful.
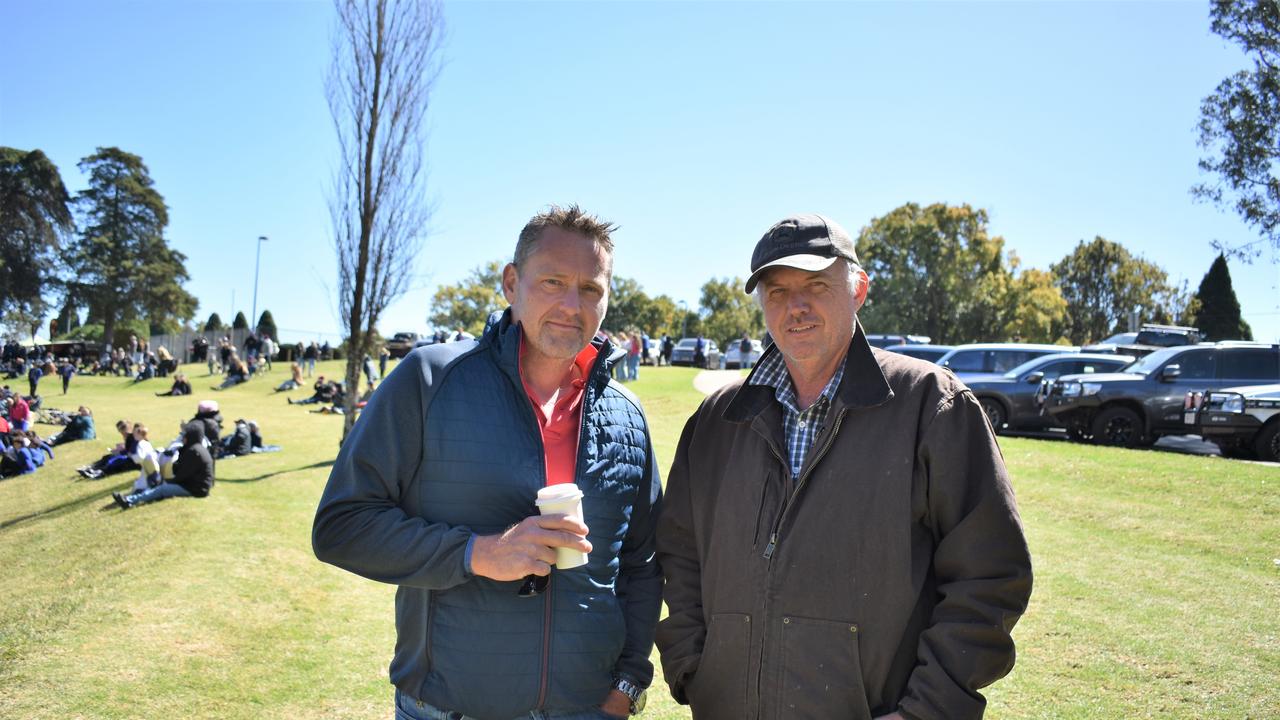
(634, 692)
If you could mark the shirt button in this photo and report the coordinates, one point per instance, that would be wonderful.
(801, 423)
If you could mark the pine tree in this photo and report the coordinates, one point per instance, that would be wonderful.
(240, 323)
(1218, 316)
(267, 325)
(213, 324)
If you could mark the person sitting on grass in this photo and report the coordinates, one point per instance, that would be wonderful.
(148, 460)
(337, 407)
(117, 459)
(237, 372)
(239, 442)
(209, 417)
(19, 412)
(295, 380)
(325, 392)
(79, 427)
(180, 386)
(192, 473)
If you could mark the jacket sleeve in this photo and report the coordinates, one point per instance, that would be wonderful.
(681, 634)
(640, 579)
(361, 525)
(981, 564)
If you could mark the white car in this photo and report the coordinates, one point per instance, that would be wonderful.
(733, 355)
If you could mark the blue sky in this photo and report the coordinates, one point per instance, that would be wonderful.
(693, 126)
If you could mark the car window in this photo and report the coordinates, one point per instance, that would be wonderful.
(1062, 367)
(1249, 364)
(1096, 366)
(1195, 365)
(968, 361)
(1007, 359)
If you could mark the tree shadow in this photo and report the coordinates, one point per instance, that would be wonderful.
(66, 507)
(312, 466)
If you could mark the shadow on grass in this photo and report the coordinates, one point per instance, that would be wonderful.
(312, 466)
(105, 495)
(66, 507)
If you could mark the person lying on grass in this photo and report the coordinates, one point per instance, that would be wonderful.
(192, 473)
(180, 386)
(295, 380)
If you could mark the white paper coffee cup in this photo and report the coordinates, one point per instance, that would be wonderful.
(566, 499)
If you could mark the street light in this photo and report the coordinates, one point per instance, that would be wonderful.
(253, 319)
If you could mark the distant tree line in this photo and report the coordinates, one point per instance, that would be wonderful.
(103, 251)
(937, 271)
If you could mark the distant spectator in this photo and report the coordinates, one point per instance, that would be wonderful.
(295, 378)
(180, 386)
(309, 357)
(267, 350)
(19, 458)
(165, 363)
(237, 373)
(239, 442)
(79, 427)
(67, 370)
(192, 473)
(383, 355)
(210, 418)
(325, 392)
(33, 378)
(369, 373)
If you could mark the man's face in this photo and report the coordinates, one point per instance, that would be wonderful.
(811, 314)
(561, 293)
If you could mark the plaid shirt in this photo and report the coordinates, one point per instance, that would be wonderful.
(799, 427)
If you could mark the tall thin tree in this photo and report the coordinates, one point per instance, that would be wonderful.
(385, 61)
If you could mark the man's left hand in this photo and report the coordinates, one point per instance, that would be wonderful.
(617, 704)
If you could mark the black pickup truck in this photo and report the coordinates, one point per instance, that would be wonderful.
(1136, 407)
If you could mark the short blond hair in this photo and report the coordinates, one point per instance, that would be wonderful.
(569, 219)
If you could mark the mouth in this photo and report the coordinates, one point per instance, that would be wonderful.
(800, 329)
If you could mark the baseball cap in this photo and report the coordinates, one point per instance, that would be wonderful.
(806, 242)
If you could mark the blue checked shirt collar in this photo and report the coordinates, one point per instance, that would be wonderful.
(800, 428)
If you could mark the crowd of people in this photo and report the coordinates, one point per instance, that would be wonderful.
(22, 450)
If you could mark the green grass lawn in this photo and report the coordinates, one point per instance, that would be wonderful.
(1157, 584)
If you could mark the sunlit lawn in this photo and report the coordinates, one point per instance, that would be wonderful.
(1157, 584)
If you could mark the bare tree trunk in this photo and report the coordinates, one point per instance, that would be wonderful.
(384, 65)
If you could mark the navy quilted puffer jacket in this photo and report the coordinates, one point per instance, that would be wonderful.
(449, 447)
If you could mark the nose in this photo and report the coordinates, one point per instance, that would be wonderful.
(798, 303)
(571, 300)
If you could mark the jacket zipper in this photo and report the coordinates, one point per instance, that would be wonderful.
(544, 681)
(777, 527)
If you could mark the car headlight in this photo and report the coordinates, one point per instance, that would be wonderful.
(1070, 389)
(1090, 388)
(1226, 402)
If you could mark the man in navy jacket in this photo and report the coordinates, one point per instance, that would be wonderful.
(434, 491)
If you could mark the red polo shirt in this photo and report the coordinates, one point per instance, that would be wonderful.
(560, 431)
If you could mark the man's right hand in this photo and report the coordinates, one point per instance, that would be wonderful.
(528, 547)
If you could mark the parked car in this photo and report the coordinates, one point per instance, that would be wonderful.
(1135, 407)
(1010, 399)
(733, 354)
(932, 353)
(1147, 340)
(401, 343)
(989, 358)
(682, 354)
(1241, 421)
(883, 341)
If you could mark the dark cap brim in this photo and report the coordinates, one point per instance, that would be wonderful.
(810, 263)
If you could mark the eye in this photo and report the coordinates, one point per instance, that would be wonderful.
(553, 283)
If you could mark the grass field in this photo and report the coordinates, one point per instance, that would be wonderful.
(1157, 578)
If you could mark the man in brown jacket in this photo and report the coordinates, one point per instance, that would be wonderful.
(840, 538)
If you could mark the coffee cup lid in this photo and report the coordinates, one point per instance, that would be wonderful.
(557, 493)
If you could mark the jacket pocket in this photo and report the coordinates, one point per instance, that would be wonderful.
(821, 673)
(431, 619)
(718, 689)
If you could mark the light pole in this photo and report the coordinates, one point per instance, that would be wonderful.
(253, 319)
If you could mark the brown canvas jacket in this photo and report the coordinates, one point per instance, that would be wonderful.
(898, 565)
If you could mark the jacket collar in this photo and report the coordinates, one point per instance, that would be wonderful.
(863, 385)
(502, 337)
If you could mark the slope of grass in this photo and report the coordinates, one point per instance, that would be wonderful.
(1157, 586)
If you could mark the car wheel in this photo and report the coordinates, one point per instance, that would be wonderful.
(995, 412)
(1267, 443)
(1077, 432)
(1118, 426)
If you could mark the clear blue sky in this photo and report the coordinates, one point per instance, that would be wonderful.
(694, 126)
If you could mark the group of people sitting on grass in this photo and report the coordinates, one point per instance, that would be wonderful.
(22, 450)
(331, 395)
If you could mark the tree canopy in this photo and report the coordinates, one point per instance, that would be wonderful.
(213, 324)
(1102, 283)
(469, 303)
(1217, 311)
(1240, 120)
(124, 268)
(267, 325)
(728, 312)
(240, 322)
(35, 217)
